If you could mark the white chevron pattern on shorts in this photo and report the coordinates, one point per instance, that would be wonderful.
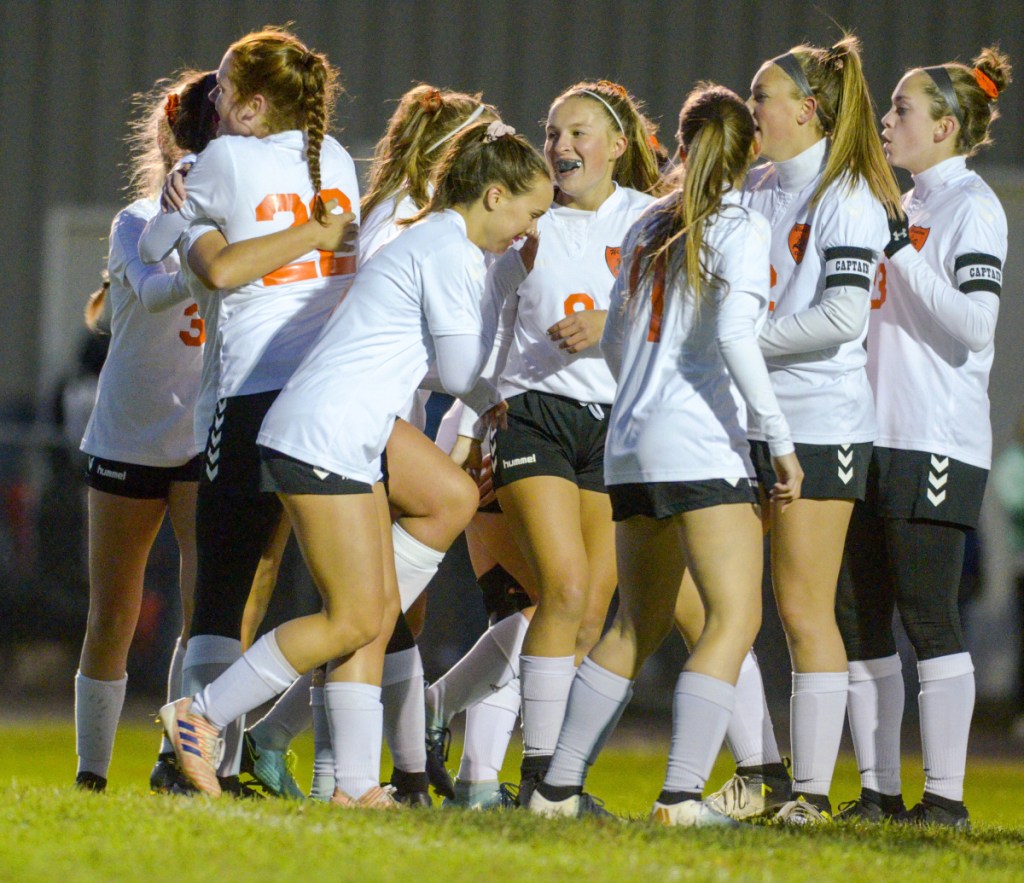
(845, 460)
(937, 478)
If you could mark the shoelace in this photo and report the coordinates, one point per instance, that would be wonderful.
(735, 790)
(800, 811)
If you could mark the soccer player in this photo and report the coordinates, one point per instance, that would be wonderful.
(548, 462)
(826, 192)
(276, 169)
(322, 441)
(143, 458)
(930, 350)
(681, 337)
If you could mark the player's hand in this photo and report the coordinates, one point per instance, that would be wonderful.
(789, 475)
(462, 452)
(173, 196)
(579, 331)
(528, 253)
(485, 481)
(899, 234)
(497, 417)
(337, 232)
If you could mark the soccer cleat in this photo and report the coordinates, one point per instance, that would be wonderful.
(868, 808)
(411, 789)
(164, 775)
(378, 797)
(754, 794)
(86, 781)
(198, 746)
(927, 813)
(438, 742)
(691, 814)
(322, 787)
(238, 789)
(577, 806)
(802, 812)
(483, 796)
(273, 770)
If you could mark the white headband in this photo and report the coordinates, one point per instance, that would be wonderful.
(472, 118)
(611, 109)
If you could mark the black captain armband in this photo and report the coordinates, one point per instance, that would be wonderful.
(979, 272)
(847, 265)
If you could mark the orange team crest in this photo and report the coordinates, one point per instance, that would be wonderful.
(613, 258)
(919, 236)
(798, 237)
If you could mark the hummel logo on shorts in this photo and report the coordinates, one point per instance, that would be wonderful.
(519, 461)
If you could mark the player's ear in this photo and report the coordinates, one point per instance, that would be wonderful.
(494, 196)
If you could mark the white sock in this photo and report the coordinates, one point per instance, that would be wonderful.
(357, 724)
(595, 703)
(98, 707)
(207, 657)
(546, 681)
(289, 716)
(489, 726)
(946, 703)
(404, 714)
(174, 690)
(323, 753)
(415, 564)
(817, 710)
(701, 710)
(257, 677)
(491, 663)
(874, 706)
(750, 735)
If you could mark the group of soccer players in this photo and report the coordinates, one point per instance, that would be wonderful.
(655, 361)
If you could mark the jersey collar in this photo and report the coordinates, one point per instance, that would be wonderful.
(798, 172)
(938, 176)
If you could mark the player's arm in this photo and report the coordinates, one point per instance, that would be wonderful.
(222, 265)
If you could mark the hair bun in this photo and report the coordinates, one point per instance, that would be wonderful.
(171, 108)
(497, 130)
(985, 83)
(431, 101)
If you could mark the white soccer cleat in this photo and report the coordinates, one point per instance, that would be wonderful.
(690, 814)
(198, 746)
(378, 797)
(577, 806)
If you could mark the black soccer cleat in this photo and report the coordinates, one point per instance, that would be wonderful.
(871, 807)
(937, 811)
(86, 781)
(165, 774)
(438, 743)
(411, 789)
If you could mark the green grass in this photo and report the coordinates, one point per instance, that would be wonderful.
(52, 832)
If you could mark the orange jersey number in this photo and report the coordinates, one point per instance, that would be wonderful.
(196, 334)
(876, 302)
(576, 303)
(329, 264)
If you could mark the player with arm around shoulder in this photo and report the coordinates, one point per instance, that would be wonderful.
(417, 302)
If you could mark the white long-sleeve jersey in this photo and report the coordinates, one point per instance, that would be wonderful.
(249, 187)
(688, 362)
(339, 407)
(930, 345)
(823, 262)
(150, 380)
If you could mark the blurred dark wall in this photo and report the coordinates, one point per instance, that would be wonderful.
(69, 68)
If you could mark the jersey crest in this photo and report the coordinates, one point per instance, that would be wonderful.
(613, 258)
(919, 236)
(798, 238)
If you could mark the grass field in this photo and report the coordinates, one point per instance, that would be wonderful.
(51, 832)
